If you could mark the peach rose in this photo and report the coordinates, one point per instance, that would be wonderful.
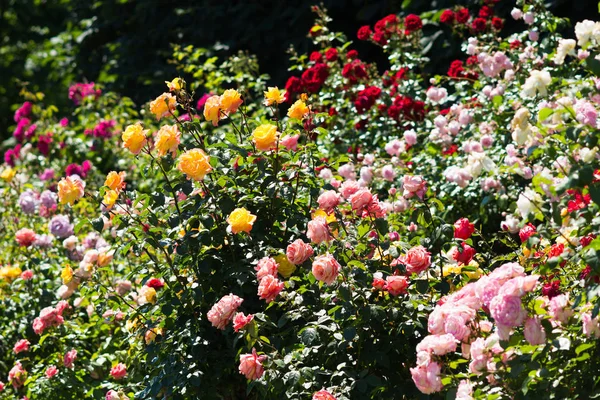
(326, 269)
(298, 252)
(222, 312)
(212, 109)
(195, 163)
(361, 200)
(318, 231)
(328, 201)
(251, 365)
(167, 140)
(269, 288)
(240, 321)
(266, 266)
(230, 101)
(396, 285)
(25, 237)
(163, 105)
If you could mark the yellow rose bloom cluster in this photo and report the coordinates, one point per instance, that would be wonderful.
(70, 189)
(284, 266)
(134, 138)
(163, 105)
(298, 110)
(115, 182)
(273, 96)
(8, 174)
(265, 137)
(240, 220)
(10, 273)
(167, 140)
(218, 107)
(195, 163)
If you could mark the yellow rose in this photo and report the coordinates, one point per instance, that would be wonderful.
(167, 140)
(284, 267)
(175, 85)
(115, 180)
(273, 95)
(452, 269)
(10, 273)
(66, 274)
(70, 189)
(240, 220)
(212, 109)
(149, 294)
(230, 101)
(134, 138)
(151, 334)
(298, 110)
(8, 174)
(195, 163)
(110, 198)
(163, 105)
(265, 137)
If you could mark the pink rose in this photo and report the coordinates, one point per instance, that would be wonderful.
(378, 281)
(38, 326)
(21, 345)
(427, 378)
(519, 286)
(123, 287)
(456, 326)
(507, 310)
(269, 287)
(410, 137)
(559, 308)
(1, 386)
(464, 391)
(70, 358)
(240, 321)
(51, 371)
(290, 142)
(534, 332)
(414, 185)
(119, 371)
(25, 237)
(348, 188)
(112, 395)
(416, 259)
(323, 395)
(318, 231)
(486, 289)
(17, 375)
(590, 326)
(298, 252)
(438, 344)
(266, 266)
(328, 201)
(61, 306)
(326, 269)
(27, 275)
(396, 285)
(222, 312)
(251, 365)
(361, 200)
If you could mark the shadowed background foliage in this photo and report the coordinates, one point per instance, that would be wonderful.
(125, 44)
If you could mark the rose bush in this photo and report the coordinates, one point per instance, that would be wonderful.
(357, 235)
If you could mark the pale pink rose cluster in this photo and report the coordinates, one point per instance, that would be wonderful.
(328, 201)
(223, 311)
(17, 375)
(414, 185)
(559, 309)
(364, 203)
(591, 326)
(318, 230)
(50, 317)
(251, 365)
(454, 321)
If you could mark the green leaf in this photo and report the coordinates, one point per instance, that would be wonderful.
(308, 336)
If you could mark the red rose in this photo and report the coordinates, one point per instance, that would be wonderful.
(447, 17)
(413, 23)
(364, 33)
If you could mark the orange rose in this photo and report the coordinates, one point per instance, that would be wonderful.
(240, 220)
(195, 163)
(167, 140)
(115, 180)
(163, 105)
(298, 110)
(265, 137)
(134, 138)
(230, 101)
(70, 189)
(212, 109)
